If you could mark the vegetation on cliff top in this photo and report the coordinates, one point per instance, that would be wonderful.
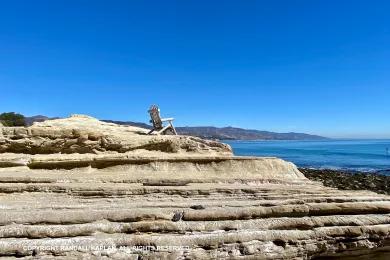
(12, 119)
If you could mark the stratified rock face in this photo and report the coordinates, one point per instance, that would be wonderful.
(84, 134)
(130, 199)
(200, 214)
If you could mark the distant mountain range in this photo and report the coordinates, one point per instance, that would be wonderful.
(234, 133)
(211, 132)
(39, 118)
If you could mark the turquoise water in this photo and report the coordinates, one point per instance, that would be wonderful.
(355, 155)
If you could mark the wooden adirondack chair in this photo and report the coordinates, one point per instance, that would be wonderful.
(157, 122)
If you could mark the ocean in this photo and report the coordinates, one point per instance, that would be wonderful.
(350, 155)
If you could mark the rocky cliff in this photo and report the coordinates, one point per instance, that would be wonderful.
(78, 188)
(84, 134)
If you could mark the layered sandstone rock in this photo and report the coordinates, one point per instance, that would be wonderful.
(197, 203)
(84, 134)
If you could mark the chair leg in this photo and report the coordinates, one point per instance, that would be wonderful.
(151, 131)
(173, 128)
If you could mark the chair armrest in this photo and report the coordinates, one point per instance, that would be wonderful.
(167, 119)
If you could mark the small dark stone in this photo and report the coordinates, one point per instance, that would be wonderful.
(197, 207)
(177, 216)
(279, 242)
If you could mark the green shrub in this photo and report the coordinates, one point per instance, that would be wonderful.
(12, 119)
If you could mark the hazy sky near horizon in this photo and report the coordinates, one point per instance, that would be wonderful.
(320, 67)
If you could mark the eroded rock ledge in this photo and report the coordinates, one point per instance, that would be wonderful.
(84, 134)
(195, 200)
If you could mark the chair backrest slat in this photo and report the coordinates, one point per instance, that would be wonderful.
(154, 112)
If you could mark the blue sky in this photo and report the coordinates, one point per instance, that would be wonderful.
(320, 67)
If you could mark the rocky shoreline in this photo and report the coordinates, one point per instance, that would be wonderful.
(345, 180)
